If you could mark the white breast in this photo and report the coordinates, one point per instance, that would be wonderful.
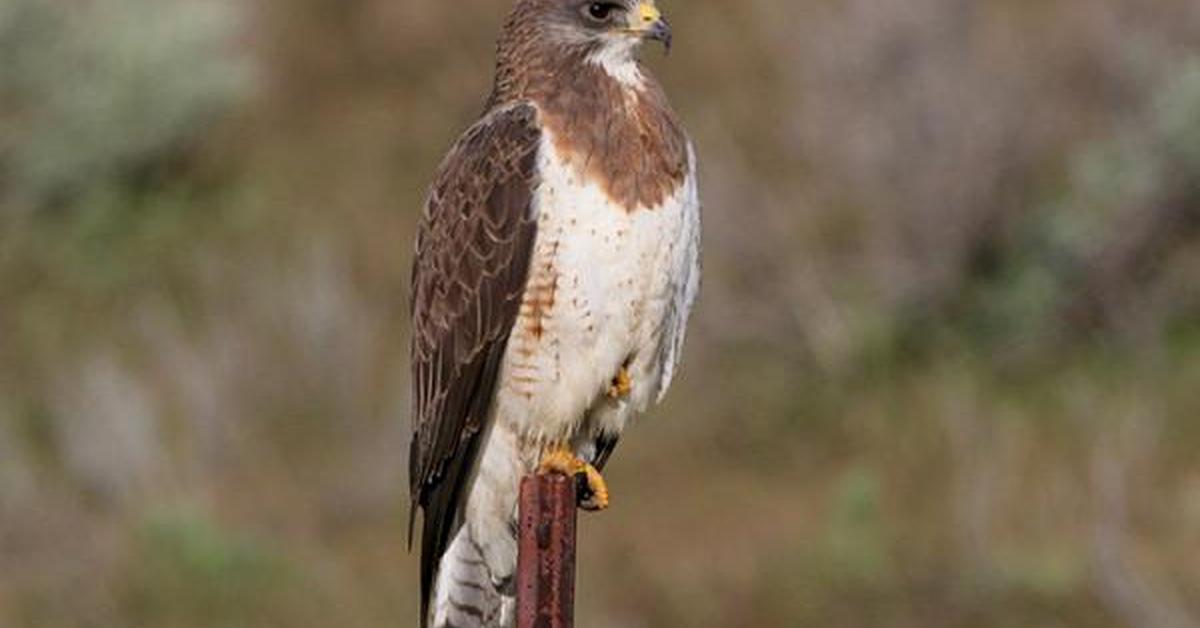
(608, 287)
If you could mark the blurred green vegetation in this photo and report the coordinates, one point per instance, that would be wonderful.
(943, 371)
(192, 570)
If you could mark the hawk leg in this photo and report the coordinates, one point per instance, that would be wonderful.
(621, 385)
(560, 459)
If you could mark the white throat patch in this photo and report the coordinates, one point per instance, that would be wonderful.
(618, 61)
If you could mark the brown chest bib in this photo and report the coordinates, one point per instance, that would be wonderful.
(627, 140)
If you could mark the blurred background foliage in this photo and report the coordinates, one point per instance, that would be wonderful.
(943, 372)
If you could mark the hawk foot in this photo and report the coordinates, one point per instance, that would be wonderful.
(593, 490)
(621, 385)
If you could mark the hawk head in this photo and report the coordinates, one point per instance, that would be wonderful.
(604, 27)
(544, 38)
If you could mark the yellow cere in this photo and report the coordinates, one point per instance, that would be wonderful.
(649, 13)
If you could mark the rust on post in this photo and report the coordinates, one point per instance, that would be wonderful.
(546, 553)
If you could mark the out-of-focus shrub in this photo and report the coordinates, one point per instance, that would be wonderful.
(195, 571)
(1112, 254)
(92, 94)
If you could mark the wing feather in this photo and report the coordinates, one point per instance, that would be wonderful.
(472, 260)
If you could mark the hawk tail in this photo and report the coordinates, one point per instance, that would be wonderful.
(465, 595)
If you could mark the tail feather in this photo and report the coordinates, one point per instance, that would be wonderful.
(465, 595)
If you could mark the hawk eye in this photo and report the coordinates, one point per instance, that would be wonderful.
(601, 11)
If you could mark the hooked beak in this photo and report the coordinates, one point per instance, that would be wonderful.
(652, 25)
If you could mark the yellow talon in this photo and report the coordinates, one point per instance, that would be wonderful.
(621, 385)
(561, 459)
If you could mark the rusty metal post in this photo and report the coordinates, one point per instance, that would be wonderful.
(546, 553)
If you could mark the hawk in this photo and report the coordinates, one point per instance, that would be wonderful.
(556, 264)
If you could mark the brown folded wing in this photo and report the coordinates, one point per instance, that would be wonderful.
(473, 252)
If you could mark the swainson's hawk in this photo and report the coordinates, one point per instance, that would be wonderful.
(556, 265)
